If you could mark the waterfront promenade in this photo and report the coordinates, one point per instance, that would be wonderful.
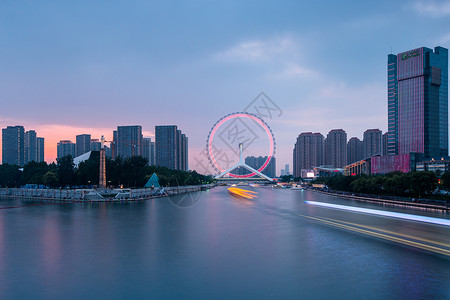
(98, 195)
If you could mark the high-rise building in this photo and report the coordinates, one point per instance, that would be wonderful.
(95, 145)
(336, 148)
(146, 148)
(258, 162)
(40, 149)
(179, 150)
(308, 152)
(184, 153)
(83, 144)
(108, 151)
(166, 146)
(13, 140)
(65, 148)
(114, 145)
(372, 142)
(152, 160)
(418, 102)
(171, 147)
(129, 141)
(30, 146)
(384, 144)
(354, 150)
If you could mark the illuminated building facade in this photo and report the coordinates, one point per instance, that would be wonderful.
(418, 102)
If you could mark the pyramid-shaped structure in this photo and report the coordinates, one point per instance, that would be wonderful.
(153, 181)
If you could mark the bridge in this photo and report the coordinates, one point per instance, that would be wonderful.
(241, 163)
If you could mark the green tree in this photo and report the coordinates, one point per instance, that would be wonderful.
(445, 180)
(88, 171)
(10, 176)
(50, 179)
(65, 171)
(33, 172)
(422, 183)
(397, 184)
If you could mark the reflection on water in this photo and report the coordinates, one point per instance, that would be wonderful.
(221, 247)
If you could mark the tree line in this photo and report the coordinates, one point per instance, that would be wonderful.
(413, 184)
(129, 172)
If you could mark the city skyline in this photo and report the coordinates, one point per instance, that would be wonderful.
(323, 73)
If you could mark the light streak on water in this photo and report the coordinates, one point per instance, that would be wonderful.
(391, 214)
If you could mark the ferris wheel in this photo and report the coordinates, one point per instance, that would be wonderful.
(239, 132)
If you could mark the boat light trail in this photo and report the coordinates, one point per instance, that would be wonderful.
(242, 193)
(431, 220)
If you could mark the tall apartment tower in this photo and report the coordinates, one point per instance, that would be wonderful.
(13, 145)
(83, 144)
(384, 144)
(129, 141)
(146, 148)
(418, 102)
(354, 150)
(152, 161)
(184, 154)
(336, 148)
(258, 162)
(166, 146)
(95, 145)
(372, 142)
(30, 146)
(65, 148)
(171, 147)
(40, 149)
(308, 152)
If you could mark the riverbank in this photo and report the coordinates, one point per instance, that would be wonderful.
(413, 202)
(97, 195)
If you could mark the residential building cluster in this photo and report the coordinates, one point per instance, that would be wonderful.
(170, 148)
(313, 150)
(20, 147)
(256, 163)
(417, 89)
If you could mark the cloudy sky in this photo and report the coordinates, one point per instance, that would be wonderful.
(72, 67)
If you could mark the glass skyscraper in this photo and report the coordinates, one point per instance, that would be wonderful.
(418, 102)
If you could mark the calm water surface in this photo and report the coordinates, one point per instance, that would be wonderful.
(220, 248)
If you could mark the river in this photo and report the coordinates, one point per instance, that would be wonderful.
(211, 245)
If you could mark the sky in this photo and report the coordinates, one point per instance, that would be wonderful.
(74, 67)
